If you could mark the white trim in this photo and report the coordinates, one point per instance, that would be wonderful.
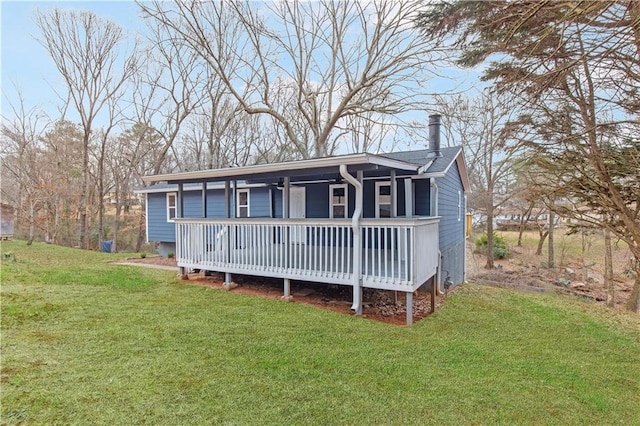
(228, 172)
(346, 199)
(248, 205)
(193, 187)
(459, 205)
(175, 206)
(377, 203)
(146, 215)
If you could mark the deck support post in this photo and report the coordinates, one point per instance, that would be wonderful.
(409, 307)
(287, 290)
(434, 284)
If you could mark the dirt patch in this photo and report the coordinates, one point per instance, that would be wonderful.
(379, 305)
(524, 270)
(153, 260)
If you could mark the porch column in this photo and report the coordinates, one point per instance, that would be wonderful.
(394, 207)
(180, 214)
(227, 212)
(285, 215)
(204, 200)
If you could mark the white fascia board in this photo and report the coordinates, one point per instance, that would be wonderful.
(194, 187)
(229, 172)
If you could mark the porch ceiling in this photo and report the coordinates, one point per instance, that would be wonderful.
(317, 168)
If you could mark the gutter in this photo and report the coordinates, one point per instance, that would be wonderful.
(357, 246)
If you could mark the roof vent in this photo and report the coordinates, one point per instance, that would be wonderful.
(434, 135)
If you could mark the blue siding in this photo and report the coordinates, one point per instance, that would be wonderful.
(259, 202)
(159, 229)
(318, 200)
(452, 238)
(422, 197)
(277, 203)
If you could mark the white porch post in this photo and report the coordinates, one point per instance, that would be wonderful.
(285, 215)
(227, 210)
(180, 214)
(394, 206)
(204, 200)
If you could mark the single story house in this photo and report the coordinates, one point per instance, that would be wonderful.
(388, 221)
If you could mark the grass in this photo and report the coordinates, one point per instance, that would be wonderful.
(85, 342)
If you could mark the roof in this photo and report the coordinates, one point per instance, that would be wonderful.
(287, 168)
(423, 162)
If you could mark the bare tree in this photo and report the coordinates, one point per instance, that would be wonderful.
(334, 60)
(576, 66)
(483, 126)
(86, 51)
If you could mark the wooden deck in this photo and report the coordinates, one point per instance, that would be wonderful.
(396, 254)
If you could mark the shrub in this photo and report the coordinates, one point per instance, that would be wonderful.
(143, 255)
(171, 255)
(500, 248)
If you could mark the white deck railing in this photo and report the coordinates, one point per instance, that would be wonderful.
(397, 254)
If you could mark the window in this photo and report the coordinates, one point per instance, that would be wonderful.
(338, 196)
(243, 203)
(172, 209)
(383, 199)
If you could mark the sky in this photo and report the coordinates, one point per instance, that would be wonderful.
(25, 64)
(26, 67)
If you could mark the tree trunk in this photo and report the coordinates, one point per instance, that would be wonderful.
(633, 304)
(543, 237)
(490, 260)
(82, 231)
(141, 230)
(551, 258)
(608, 269)
(32, 222)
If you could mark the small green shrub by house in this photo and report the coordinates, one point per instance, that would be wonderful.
(500, 248)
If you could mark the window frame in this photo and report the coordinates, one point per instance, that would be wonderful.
(459, 205)
(239, 206)
(379, 185)
(173, 195)
(345, 203)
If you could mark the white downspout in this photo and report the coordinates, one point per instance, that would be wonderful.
(357, 246)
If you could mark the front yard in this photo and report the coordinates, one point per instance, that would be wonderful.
(87, 342)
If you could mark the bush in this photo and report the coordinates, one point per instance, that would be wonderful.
(170, 255)
(143, 255)
(500, 248)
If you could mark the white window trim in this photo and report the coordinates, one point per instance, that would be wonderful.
(346, 199)
(248, 205)
(459, 206)
(377, 206)
(175, 206)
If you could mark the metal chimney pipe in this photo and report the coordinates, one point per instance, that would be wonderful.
(434, 134)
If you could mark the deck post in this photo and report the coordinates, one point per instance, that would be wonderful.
(409, 307)
(287, 290)
(228, 283)
(434, 282)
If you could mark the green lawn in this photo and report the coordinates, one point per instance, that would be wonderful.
(85, 342)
